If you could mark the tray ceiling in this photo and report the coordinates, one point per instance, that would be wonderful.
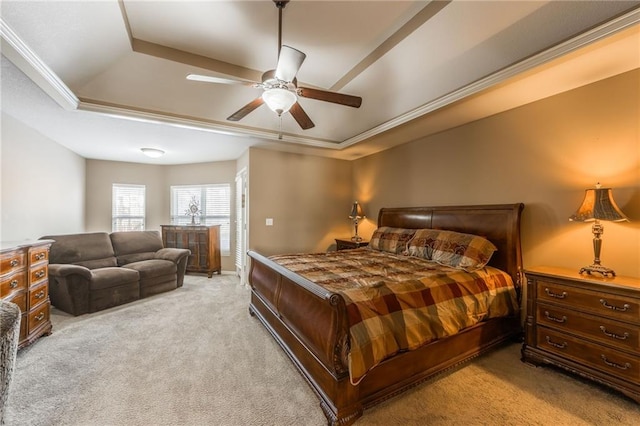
(101, 61)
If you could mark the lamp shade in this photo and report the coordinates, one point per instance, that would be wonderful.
(279, 100)
(356, 211)
(598, 204)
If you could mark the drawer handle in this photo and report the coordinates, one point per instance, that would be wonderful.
(626, 365)
(14, 262)
(555, 319)
(39, 317)
(39, 295)
(625, 336)
(40, 256)
(615, 308)
(556, 345)
(40, 274)
(555, 295)
(13, 284)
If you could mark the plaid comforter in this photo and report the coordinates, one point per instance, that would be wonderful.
(397, 303)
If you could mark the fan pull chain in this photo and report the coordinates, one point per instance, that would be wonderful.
(280, 130)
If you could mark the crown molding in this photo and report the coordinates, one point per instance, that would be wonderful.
(29, 63)
(146, 116)
(588, 37)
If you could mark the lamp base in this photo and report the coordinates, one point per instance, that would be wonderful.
(356, 238)
(606, 272)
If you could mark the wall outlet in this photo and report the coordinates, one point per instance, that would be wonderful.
(269, 221)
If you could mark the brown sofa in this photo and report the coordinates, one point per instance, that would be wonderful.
(90, 272)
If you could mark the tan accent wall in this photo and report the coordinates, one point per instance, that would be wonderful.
(307, 197)
(545, 155)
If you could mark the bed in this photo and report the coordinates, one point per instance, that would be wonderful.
(311, 322)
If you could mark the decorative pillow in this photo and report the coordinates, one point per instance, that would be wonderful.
(392, 240)
(457, 250)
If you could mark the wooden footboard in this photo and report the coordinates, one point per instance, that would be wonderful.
(310, 323)
(311, 326)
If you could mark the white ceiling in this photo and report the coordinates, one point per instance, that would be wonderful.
(73, 70)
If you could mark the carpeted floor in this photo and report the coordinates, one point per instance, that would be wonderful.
(194, 356)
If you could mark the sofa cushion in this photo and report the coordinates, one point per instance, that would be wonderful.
(91, 250)
(152, 268)
(112, 277)
(135, 246)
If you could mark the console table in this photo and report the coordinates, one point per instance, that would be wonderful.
(203, 241)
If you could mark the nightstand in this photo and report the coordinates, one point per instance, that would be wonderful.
(349, 244)
(586, 324)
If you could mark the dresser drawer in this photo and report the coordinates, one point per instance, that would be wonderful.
(614, 333)
(12, 261)
(38, 316)
(38, 274)
(13, 283)
(20, 299)
(601, 358)
(599, 303)
(38, 255)
(38, 295)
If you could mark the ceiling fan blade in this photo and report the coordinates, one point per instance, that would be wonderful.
(242, 112)
(289, 62)
(301, 116)
(221, 80)
(336, 98)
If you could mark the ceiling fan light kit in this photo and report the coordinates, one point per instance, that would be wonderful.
(280, 86)
(279, 100)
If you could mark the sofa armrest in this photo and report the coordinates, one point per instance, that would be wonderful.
(180, 257)
(69, 287)
(64, 270)
(172, 254)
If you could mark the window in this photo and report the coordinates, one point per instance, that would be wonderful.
(215, 208)
(128, 207)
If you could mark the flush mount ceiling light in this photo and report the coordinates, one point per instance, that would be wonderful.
(152, 152)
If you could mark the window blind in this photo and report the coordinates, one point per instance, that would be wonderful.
(128, 207)
(215, 208)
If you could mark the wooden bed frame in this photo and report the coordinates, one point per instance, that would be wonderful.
(310, 323)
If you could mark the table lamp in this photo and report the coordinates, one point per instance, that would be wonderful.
(356, 214)
(598, 204)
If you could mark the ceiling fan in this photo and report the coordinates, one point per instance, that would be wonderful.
(280, 86)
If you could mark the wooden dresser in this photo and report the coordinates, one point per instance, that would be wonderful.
(586, 324)
(203, 241)
(24, 280)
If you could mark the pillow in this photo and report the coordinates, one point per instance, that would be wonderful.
(392, 240)
(457, 250)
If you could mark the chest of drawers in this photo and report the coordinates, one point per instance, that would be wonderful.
(24, 280)
(203, 241)
(588, 325)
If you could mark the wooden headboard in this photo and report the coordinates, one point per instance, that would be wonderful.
(499, 223)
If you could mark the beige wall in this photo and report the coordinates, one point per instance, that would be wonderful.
(43, 187)
(545, 155)
(307, 197)
(101, 175)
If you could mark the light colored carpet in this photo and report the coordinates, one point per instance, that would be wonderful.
(194, 356)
